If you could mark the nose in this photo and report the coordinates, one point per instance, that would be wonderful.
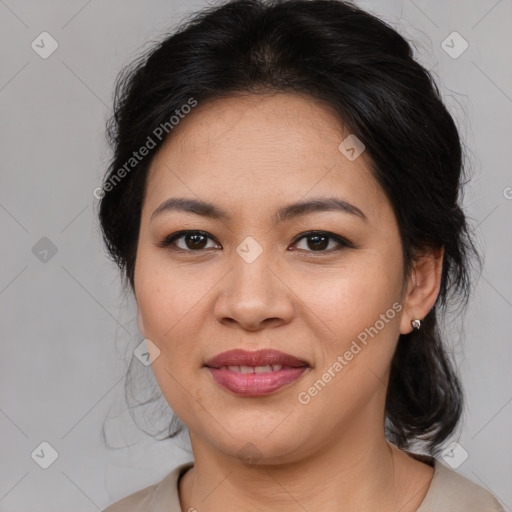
(254, 296)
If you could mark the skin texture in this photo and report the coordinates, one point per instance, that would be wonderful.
(250, 155)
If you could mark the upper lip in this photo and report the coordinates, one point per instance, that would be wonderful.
(239, 357)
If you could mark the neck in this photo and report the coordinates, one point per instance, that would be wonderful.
(358, 472)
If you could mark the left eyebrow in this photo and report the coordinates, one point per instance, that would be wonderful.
(284, 213)
(317, 205)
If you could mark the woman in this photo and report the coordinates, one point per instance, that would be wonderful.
(284, 203)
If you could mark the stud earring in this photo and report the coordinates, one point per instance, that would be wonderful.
(416, 324)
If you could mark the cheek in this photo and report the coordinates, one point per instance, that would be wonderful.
(167, 295)
(351, 298)
(169, 306)
(360, 304)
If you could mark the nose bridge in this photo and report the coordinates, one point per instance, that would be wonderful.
(252, 293)
(251, 280)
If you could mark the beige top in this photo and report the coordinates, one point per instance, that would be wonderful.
(448, 492)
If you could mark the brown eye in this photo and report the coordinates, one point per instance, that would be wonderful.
(194, 241)
(188, 241)
(319, 241)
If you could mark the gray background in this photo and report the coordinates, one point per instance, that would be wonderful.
(67, 329)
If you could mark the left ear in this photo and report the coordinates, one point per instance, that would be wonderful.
(423, 286)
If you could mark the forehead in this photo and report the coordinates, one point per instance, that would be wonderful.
(249, 121)
(260, 149)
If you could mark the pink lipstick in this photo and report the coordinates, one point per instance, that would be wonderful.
(256, 373)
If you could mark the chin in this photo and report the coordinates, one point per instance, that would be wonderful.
(270, 443)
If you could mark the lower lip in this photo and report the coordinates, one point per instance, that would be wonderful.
(256, 384)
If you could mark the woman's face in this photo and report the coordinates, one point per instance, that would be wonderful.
(253, 280)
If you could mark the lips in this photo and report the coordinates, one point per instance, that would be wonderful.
(258, 358)
(252, 374)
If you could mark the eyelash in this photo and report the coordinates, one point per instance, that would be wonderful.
(169, 240)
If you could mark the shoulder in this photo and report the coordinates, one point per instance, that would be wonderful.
(136, 502)
(160, 497)
(451, 492)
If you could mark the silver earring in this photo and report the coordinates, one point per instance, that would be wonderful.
(416, 324)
